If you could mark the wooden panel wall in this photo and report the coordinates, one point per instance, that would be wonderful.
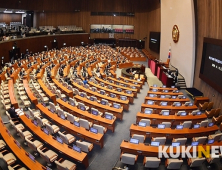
(209, 17)
(7, 18)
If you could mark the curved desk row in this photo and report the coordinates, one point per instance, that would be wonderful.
(153, 151)
(19, 152)
(29, 92)
(109, 124)
(62, 148)
(164, 93)
(175, 120)
(62, 88)
(78, 131)
(172, 109)
(149, 131)
(123, 103)
(131, 80)
(12, 97)
(108, 91)
(169, 100)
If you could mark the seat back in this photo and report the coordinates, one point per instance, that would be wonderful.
(210, 105)
(182, 141)
(201, 140)
(148, 111)
(84, 123)
(64, 138)
(187, 124)
(204, 123)
(151, 162)
(99, 128)
(162, 140)
(128, 158)
(174, 164)
(147, 121)
(83, 146)
(217, 112)
(197, 162)
(179, 112)
(167, 124)
(70, 117)
(49, 128)
(204, 106)
(39, 121)
(217, 136)
(141, 138)
(72, 101)
(162, 111)
(52, 107)
(60, 112)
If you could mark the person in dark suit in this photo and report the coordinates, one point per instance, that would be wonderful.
(12, 113)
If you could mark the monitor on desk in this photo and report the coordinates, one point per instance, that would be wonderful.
(82, 108)
(161, 126)
(176, 91)
(128, 92)
(93, 130)
(155, 144)
(62, 117)
(151, 95)
(142, 124)
(134, 141)
(52, 110)
(35, 122)
(165, 113)
(166, 91)
(133, 87)
(148, 111)
(115, 105)
(65, 99)
(123, 98)
(175, 144)
(91, 98)
(47, 168)
(45, 131)
(103, 102)
(17, 143)
(179, 127)
(177, 104)
(173, 97)
(198, 113)
(164, 86)
(163, 103)
(210, 141)
(150, 102)
(82, 95)
(59, 139)
(162, 96)
(210, 124)
(76, 148)
(31, 157)
(108, 117)
(136, 82)
(196, 126)
(94, 112)
(154, 90)
(43, 104)
(172, 86)
(77, 124)
(154, 85)
(194, 143)
(183, 113)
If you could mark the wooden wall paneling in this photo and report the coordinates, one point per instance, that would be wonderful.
(209, 18)
(7, 18)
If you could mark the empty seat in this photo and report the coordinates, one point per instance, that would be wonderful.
(41, 122)
(204, 123)
(71, 118)
(65, 165)
(100, 128)
(200, 140)
(147, 121)
(151, 162)
(66, 138)
(148, 111)
(187, 124)
(8, 157)
(182, 141)
(85, 146)
(128, 159)
(141, 138)
(33, 144)
(210, 105)
(174, 163)
(203, 106)
(216, 137)
(162, 140)
(52, 128)
(2, 144)
(34, 113)
(48, 155)
(195, 162)
(210, 113)
(85, 123)
(167, 124)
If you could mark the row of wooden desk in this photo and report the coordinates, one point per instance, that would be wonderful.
(123, 103)
(157, 100)
(149, 131)
(29, 92)
(174, 119)
(172, 109)
(153, 151)
(12, 97)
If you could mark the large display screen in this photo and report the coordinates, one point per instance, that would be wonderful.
(211, 64)
(102, 28)
(154, 41)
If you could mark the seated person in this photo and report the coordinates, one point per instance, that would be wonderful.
(12, 112)
(85, 81)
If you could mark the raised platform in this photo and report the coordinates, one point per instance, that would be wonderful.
(193, 92)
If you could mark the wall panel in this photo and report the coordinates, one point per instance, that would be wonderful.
(209, 17)
(7, 18)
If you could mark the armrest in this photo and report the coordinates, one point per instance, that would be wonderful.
(136, 158)
(60, 160)
(4, 151)
(166, 162)
(189, 161)
(64, 132)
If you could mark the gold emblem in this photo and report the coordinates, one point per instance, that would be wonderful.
(175, 33)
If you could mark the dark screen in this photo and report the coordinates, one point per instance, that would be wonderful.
(154, 41)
